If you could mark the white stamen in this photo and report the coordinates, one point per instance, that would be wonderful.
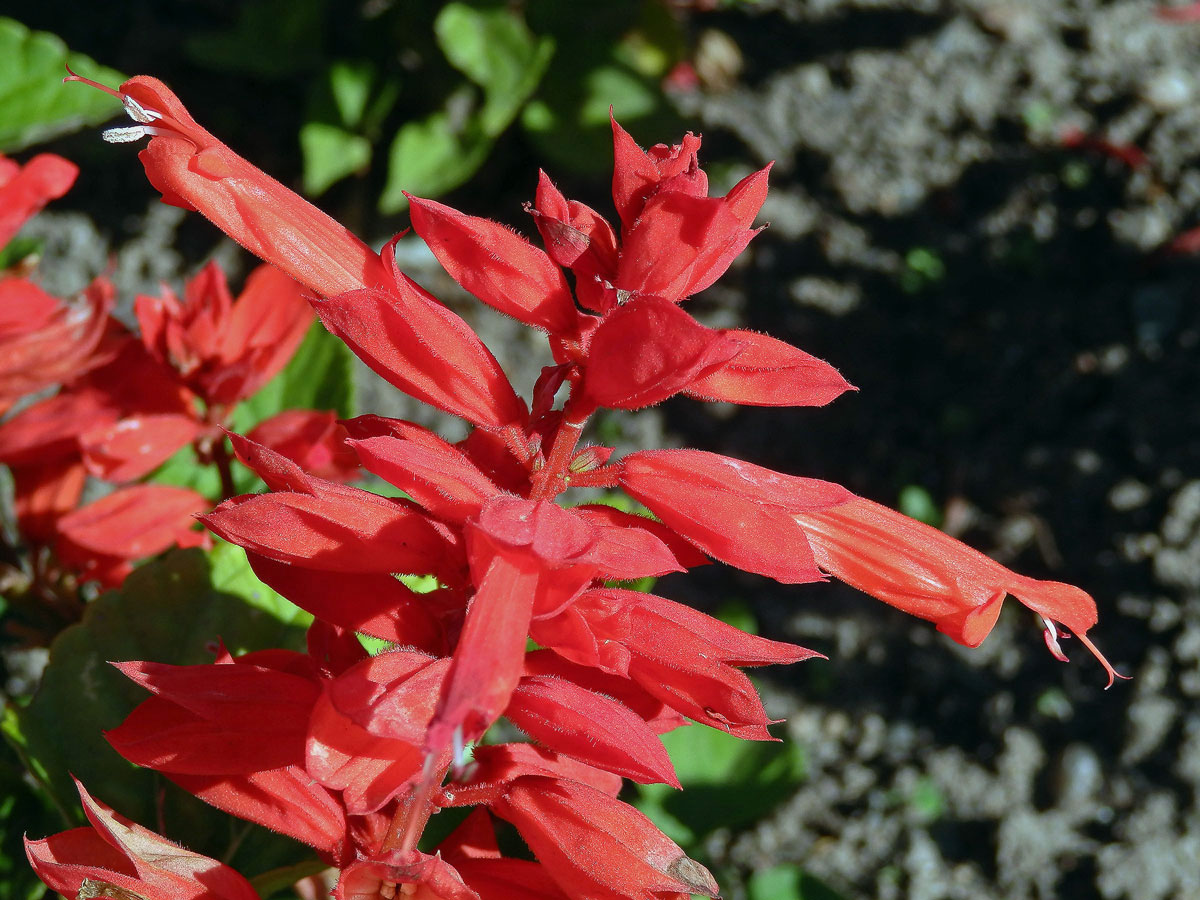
(137, 112)
(124, 135)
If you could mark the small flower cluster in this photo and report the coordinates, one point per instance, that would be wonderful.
(352, 753)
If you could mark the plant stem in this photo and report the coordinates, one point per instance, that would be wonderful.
(224, 463)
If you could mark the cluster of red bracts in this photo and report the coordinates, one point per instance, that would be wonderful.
(128, 402)
(350, 753)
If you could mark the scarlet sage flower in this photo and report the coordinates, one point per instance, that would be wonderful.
(224, 349)
(616, 668)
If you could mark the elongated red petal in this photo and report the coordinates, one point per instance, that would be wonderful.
(313, 439)
(770, 372)
(487, 660)
(425, 350)
(43, 494)
(499, 267)
(738, 512)
(286, 800)
(585, 838)
(335, 528)
(368, 769)
(649, 350)
(680, 245)
(164, 736)
(685, 554)
(135, 446)
(590, 727)
(243, 698)
(929, 574)
(23, 193)
(134, 522)
(441, 479)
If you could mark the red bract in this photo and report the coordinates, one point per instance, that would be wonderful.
(589, 841)
(114, 855)
(225, 350)
(44, 341)
(24, 190)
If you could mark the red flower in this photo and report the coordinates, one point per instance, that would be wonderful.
(927, 573)
(225, 350)
(113, 857)
(44, 341)
(24, 190)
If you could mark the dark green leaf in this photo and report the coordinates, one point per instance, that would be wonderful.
(35, 105)
(431, 157)
(170, 610)
(330, 153)
(728, 783)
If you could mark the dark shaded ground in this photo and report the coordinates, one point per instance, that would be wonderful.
(1025, 355)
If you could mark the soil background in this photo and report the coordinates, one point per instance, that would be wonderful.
(1026, 343)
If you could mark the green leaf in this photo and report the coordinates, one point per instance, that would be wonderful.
(23, 810)
(231, 574)
(319, 376)
(429, 158)
(183, 469)
(727, 783)
(350, 86)
(276, 881)
(787, 882)
(496, 50)
(35, 105)
(170, 610)
(18, 250)
(330, 153)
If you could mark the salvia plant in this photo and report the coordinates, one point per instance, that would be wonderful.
(530, 616)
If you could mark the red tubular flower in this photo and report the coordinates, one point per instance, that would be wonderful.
(929, 574)
(589, 841)
(196, 171)
(114, 857)
(24, 190)
(738, 512)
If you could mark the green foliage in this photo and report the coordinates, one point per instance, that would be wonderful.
(35, 105)
(917, 503)
(727, 783)
(787, 882)
(170, 610)
(347, 106)
(18, 250)
(504, 62)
